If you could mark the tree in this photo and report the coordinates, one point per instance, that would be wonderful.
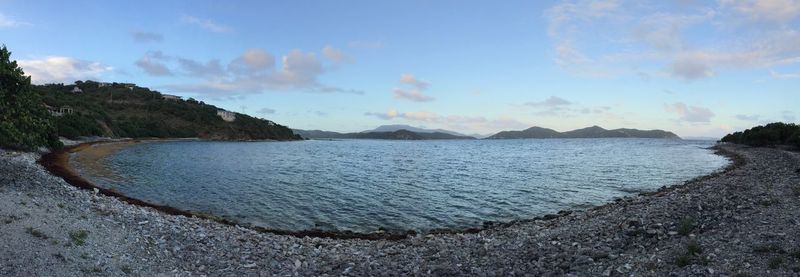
(24, 121)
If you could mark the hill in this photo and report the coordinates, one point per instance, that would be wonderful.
(589, 132)
(319, 134)
(393, 135)
(398, 127)
(126, 110)
(772, 134)
(532, 132)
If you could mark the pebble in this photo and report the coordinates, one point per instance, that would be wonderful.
(582, 243)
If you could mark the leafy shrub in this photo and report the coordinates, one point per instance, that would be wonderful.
(777, 133)
(24, 121)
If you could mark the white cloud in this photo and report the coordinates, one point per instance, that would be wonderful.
(206, 24)
(690, 68)
(252, 61)
(58, 69)
(366, 44)
(409, 79)
(335, 55)
(9, 22)
(254, 72)
(766, 10)
(412, 95)
(776, 75)
(211, 69)
(266, 111)
(692, 114)
(746, 117)
(659, 38)
(146, 37)
(415, 94)
(551, 106)
(152, 64)
(552, 101)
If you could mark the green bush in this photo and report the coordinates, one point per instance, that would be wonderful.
(24, 121)
(777, 133)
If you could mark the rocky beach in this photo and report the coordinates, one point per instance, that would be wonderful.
(743, 221)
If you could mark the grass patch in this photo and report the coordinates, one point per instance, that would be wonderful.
(796, 189)
(36, 233)
(683, 260)
(79, 236)
(796, 254)
(775, 262)
(685, 226)
(693, 249)
(768, 248)
(769, 202)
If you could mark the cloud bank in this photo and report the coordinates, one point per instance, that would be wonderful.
(253, 71)
(59, 69)
(658, 38)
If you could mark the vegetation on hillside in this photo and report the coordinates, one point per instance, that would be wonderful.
(24, 122)
(126, 110)
(772, 134)
(589, 132)
(401, 134)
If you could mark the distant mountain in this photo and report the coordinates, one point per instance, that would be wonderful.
(318, 134)
(701, 138)
(532, 132)
(398, 127)
(589, 132)
(407, 135)
(393, 135)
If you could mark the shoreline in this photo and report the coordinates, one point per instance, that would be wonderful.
(741, 221)
(58, 164)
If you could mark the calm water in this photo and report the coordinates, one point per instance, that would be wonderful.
(363, 185)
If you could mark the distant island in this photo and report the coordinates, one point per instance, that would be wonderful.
(389, 132)
(589, 132)
(405, 132)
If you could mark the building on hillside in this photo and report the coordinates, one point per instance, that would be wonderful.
(226, 115)
(65, 110)
(103, 84)
(59, 111)
(76, 89)
(170, 97)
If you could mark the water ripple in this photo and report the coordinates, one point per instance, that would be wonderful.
(364, 185)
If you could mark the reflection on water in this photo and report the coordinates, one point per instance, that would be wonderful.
(364, 185)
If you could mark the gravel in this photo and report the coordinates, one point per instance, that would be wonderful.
(745, 220)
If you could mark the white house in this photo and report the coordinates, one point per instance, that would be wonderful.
(76, 89)
(59, 111)
(226, 115)
(170, 97)
(103, 84)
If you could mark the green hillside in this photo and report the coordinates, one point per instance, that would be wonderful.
(776, 133)
(126, 110)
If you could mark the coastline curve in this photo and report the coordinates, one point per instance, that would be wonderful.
(58, 163)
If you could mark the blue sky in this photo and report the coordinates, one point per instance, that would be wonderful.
(698, 68)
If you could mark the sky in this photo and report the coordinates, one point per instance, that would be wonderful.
(697, 68)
